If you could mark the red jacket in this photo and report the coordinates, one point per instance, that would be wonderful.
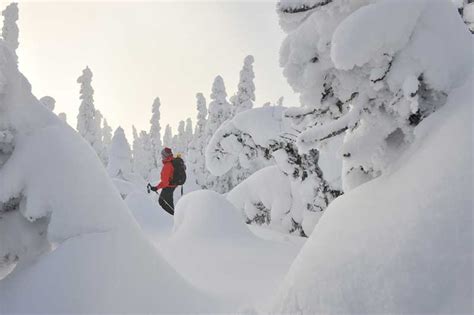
(166, 174)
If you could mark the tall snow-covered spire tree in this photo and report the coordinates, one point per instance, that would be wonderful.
(197, 146)
(87, 118)
(219, 108)
(246, 89)
(180, 145)
(219, 111)
(48, 102)
(189, 131)
(155, 131)
(106, 135)
(120, 156)
(10, 29)
(168, 137)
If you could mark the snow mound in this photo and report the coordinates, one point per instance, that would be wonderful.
(150, 216)
(266, 190)
(207, 214)
(401, 243)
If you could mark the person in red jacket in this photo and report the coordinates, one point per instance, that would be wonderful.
(167, 189)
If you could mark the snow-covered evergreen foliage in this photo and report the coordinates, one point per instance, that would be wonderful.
(180, 145)
(143, 160)
(189, 130)
(245, 96)
(106, 137)
(89, 119)
(10, 29)
(242, 141)
(48, 102)
(219, 111)
(196, 162)
(168, 137)
(120, 156)
(363, 74)
(155, 132)
(466, 9)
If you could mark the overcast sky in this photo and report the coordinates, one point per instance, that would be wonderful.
(138, 51)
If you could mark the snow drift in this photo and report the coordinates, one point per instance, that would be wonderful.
(401, 243)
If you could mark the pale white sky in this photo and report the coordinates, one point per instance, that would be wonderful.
(140, 50)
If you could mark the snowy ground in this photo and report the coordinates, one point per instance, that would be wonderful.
(211, 247)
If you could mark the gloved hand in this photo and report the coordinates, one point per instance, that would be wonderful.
(153, 188)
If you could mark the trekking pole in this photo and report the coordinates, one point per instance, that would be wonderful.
(181, 190)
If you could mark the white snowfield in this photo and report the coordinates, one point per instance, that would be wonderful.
(401, 243)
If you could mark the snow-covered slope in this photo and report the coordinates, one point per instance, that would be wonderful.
(402, 243)
(54, 189)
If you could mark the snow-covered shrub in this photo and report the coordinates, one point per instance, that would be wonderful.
(466, 10)
(262, 136)
(364, 74)
(89, 119)
(48, 102)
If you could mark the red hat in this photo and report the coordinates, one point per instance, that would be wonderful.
(166, 152)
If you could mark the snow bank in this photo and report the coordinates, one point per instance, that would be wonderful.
(207, 214)
(401, 243)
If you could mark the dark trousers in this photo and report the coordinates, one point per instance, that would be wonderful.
(166, 199)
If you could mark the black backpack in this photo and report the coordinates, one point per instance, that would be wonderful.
(179, 172)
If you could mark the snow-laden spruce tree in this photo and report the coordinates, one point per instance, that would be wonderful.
(146, 160)
(260, 137)
(120, 156)
(106, 138)
(245, 96)
(155, 132)
(466, 9)
(195, 159)
(10, 29)
(168, 137)
(189, 131)
(367, 78)
(48, 102)
(219, 111)
(180, 140)
(88, 119)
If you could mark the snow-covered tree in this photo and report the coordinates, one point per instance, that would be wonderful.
(466, 9)
(155, 131)
(219, 111)
(106, 136)
(181, 138)
(243, 142)
(143, 160)
(363, 74)
(189, 131)
(120, 156)
(10, 29)
(88, 119)
(195, 158)
(168, 137)
(246, 89)
(48, 102)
